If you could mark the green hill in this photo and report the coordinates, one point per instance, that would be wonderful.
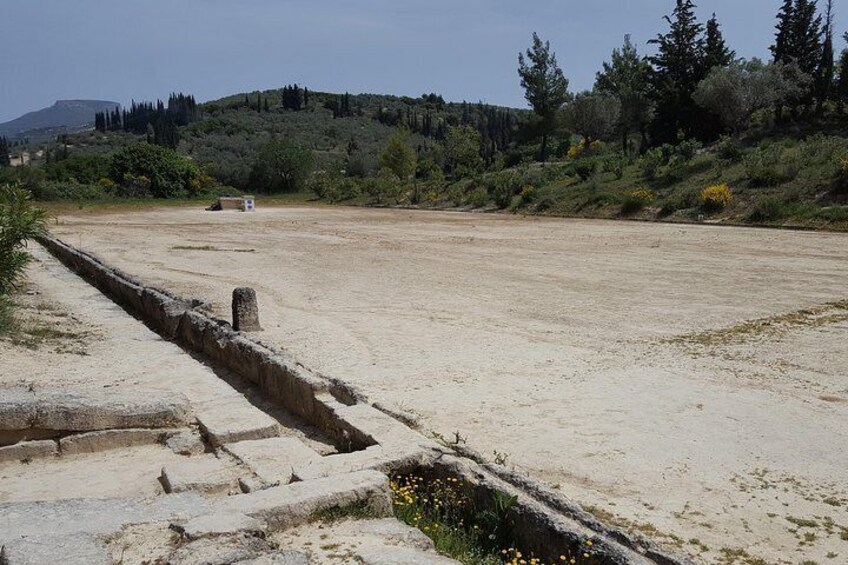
(65, 116)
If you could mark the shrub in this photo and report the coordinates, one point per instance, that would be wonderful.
(768, 209)
(649, 164)
(150, 170)
(637, 199)
(528, 194)
(281, 166)
(769, 166)
(841, 179)
(688, 149)
(729, 149)
(478, 197)
(507, 184)
(585, 168)
(716, 197)
(614, 164)
(19, 222)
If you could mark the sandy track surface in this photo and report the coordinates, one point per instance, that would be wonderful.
(689, 382)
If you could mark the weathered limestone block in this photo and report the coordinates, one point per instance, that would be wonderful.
(207, 474)
(230, 420)
(93, 442)
(289, 505)
(186, 442)
(245, 310)
(219, 524)
(280, 558)
(84, 410)
(272, 459)
(28, 450)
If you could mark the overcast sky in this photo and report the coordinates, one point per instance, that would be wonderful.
(463, 49)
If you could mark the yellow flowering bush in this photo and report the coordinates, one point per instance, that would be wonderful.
(583, 150)
(637, 199)
(716, 196)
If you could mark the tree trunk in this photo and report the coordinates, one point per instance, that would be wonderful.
(544, 155)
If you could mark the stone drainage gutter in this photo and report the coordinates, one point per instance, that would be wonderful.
(546, 523)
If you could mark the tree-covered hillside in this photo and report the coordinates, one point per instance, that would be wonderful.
(683, 129)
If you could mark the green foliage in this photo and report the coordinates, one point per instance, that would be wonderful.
(79, 168)
(20, 221)
(769, 166)
(592, 115)
(462, 151)
(651, 162)
(545, 86)
(768, 209)
(143, 170)
(507, 185)
(585, 168)
(729, 149)
(281, 166)
(398, 156)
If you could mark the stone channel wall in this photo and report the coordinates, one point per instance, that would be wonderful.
(546, 522)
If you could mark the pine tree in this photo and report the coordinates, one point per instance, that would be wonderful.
(545, 88)
(678, 68)
(716, 52)
(626, 76)
(842, 80)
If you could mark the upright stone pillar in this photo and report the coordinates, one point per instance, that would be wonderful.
(245, 310)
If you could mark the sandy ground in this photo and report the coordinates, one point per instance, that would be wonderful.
(689, 382)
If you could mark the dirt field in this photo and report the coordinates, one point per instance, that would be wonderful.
(690, 382)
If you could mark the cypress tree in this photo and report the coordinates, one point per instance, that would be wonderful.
(716, 52)
(678, 68)
(824, 76)
(5, 161)
(842, 80)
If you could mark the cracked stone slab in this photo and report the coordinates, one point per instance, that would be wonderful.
(288, 505)
(68, 550)
(375, 457)
(231, 420)
(205, 474)
(92, 442)
(84, 410)
(219, 524)
(27, 450)
(186, 442)
(272, 459)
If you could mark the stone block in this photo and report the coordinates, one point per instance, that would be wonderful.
(289, 505)
(206, 474)
(92, 442)
(272, 459)
(27, 450)
(234, 419)
(245, 310)
(219, 524)
(186, 442)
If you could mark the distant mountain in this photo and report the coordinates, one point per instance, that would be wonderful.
(65, 116)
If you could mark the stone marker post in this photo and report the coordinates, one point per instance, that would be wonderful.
(245, 310)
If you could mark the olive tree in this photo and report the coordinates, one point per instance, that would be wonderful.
(592, 115)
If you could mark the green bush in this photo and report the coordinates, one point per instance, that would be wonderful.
(614, 164)
(768, 209)
(650, 163)
(281, 166)
(687, 149)
(585, 168)
(478, 197)
(507, 184)
(143, 170)
(19, 222)
(82, 169)
(729, 149)
(770, 166)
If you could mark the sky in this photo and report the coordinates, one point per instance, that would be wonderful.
(462, 49)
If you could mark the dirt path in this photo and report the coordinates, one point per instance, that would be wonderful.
(615, 360)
